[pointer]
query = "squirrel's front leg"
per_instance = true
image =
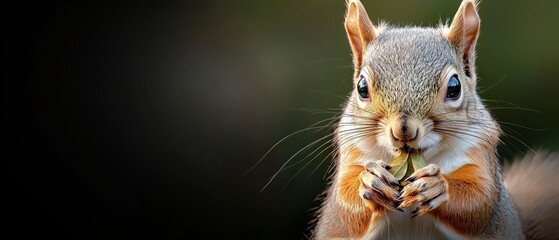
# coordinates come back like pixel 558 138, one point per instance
pixel 360 196
pixel 428 187
pixel 375 187
pixel 463 200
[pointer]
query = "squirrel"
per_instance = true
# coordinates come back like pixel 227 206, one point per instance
pixel 415 90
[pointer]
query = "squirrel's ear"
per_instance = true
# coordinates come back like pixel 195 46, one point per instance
pixel 464 31
pixel 360 30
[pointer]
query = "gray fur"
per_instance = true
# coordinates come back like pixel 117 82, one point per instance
pixel 417 57
pixel 533 185
pixel 505 214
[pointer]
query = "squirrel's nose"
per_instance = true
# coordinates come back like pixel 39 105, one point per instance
pixel 404 133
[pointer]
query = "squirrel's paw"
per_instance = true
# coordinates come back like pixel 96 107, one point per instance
pixel 375 187
pixel 428 187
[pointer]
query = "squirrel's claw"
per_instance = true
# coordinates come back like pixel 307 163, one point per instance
pixel 379 169
pixel 429 205
pixel 378 199
pixel 429 170
pixel 429 187
pixel 376 188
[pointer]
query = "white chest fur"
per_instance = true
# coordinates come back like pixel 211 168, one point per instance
pixel 400 225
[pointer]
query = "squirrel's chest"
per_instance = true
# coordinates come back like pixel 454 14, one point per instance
pixel 400 225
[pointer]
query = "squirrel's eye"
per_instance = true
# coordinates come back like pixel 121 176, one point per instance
pixel 362 88
pixel 453 88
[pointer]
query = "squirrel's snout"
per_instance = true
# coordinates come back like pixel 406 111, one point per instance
pixel 404 133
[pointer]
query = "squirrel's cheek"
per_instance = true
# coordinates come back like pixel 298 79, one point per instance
pixel 429 142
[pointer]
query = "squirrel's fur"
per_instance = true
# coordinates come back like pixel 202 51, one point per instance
pixel 402 101
pixel 533 185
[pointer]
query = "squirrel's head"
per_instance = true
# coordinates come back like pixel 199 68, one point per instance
pixel 417 85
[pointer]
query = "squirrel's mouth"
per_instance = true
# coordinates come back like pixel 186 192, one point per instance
pixel 408 149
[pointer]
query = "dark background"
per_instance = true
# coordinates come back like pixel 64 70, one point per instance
pixel 138 119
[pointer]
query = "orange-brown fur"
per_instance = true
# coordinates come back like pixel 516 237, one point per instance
pixel 354 211
pixel 471 202
pixel 353 216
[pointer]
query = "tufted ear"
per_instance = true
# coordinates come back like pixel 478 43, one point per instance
pixel 360 31
pixel 464 31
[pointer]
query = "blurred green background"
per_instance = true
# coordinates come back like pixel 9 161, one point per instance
pixel 140 118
